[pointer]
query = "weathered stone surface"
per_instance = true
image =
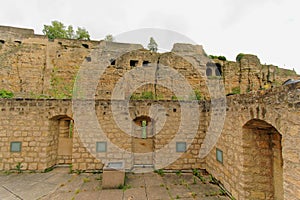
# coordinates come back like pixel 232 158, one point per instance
pixel 260 135
pixel 33 66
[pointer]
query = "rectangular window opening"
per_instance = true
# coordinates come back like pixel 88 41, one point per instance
pixel 146 63
pixel 133 63
pixel 219 155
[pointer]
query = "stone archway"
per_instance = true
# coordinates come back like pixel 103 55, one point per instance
pixel 262 162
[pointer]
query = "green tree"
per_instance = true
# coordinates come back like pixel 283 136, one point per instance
pixel 82 34
pixel 58 30
pixel 109 38
pixel 152 46
pixel 55 30
pixel 70 32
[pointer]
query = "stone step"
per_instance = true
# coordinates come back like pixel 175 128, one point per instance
pixel 141 168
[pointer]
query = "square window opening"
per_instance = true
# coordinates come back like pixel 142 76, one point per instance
pixel 101 146
pixel 15 146
pixel 180 146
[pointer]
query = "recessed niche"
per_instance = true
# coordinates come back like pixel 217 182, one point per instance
pixel 133 63
pixel 88 59
pixel 146 63
pixel 218 70
pixel 85 46
pixel 112 62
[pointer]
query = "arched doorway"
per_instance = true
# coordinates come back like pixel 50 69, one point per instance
pixel 63 130
pixel 142 141
pixel 218 70
pixel 262 174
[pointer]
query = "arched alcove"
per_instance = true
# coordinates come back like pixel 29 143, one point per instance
pixel 62 130
pixel 143 141
pixel 218 70
pixel 262 174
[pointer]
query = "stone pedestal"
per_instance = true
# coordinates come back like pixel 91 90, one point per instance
pixel 113 175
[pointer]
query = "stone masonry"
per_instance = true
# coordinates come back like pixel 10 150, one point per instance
pixel 255 156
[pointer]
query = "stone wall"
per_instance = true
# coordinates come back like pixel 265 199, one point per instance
pixel 252 166
pixel 39 124
pixel 7 33
pixel 259 139
pixel 35 67
pixel 248 74
pixel 28 121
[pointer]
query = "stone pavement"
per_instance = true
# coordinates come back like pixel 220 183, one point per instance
pixel 59 184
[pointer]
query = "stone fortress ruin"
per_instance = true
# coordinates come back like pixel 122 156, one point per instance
pixel 256 155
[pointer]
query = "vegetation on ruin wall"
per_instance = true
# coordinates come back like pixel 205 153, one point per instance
pixel 223 58
pixel 61 88
pixel 59 30
pixel 195 95
pixel 236 90
pixel 285 72
pixel 149 95
pixel 6 94
pixel 239 57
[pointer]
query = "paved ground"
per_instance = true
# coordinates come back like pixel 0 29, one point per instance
pixel 59 184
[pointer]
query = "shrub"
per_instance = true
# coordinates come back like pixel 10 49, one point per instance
pixel 239 57
pixel 159 172
pixel 213 57
pixel 222 58
pixel 218 57
pixel 196 95
pixel 147 95
pixel 144 95
pixel 19 167
pixel 6 94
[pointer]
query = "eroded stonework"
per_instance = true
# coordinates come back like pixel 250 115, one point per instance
pixel 255 157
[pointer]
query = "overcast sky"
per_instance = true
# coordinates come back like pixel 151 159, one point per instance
pixel 269 29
